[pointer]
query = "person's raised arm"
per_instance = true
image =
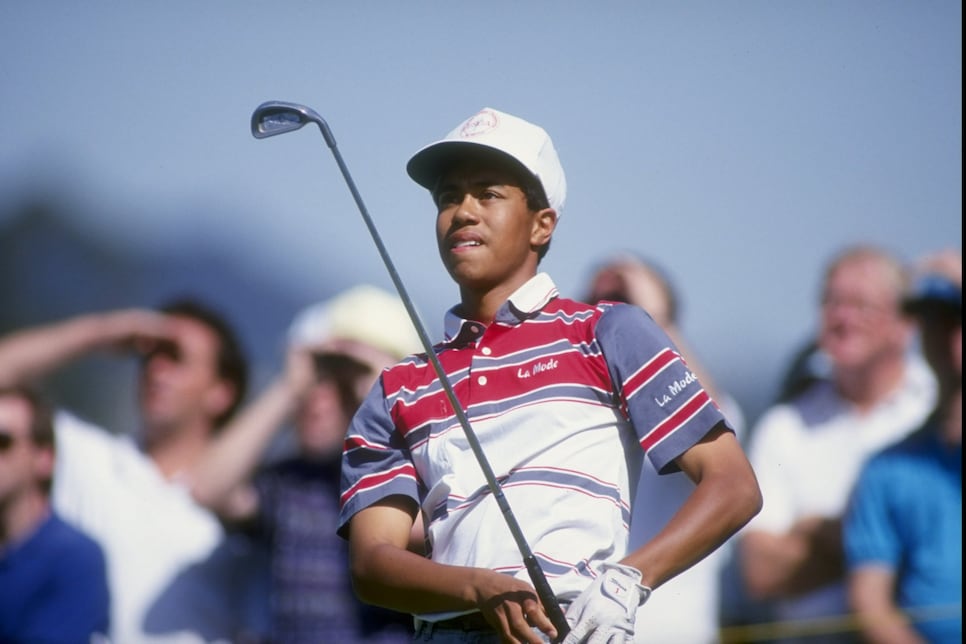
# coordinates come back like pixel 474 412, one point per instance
pixel 35 352
pixel 221 479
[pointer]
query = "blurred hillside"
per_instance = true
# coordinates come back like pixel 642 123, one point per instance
pixel 51 268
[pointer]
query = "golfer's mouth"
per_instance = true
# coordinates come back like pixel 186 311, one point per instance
pixel 464 242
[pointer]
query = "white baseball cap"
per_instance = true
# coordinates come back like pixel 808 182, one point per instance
pixel 361 317
pixel 527 144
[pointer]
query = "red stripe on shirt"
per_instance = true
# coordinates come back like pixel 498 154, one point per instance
pixel 676 420
pixel 648 371
pixel 377 479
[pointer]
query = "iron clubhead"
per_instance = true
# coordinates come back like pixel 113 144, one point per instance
pixel 279 117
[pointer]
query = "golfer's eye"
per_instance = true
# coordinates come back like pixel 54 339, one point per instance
pixel 446 198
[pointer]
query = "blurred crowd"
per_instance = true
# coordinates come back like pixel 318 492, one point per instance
pixel 214 519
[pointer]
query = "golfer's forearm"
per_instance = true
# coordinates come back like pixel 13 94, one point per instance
pixel 394 578
pixel 716 509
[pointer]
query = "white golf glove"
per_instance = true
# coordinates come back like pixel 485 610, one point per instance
pixel 604 613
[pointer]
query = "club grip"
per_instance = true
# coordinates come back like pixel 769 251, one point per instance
pixel 547 598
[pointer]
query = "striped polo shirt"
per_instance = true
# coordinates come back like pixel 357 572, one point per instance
pixel 565 399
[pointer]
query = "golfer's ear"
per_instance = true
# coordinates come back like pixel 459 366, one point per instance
pixel 544 223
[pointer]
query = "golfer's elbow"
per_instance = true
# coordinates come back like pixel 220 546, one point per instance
pixel 738 498
pixel 364 579
pixel 373 572
pixel 746 500
pixel 367 592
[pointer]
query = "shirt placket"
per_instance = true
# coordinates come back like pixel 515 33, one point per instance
pixel 476 382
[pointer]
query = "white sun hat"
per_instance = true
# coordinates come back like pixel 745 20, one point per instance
pixel 360 318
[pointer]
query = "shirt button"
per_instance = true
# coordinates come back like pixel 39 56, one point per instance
pixel 486 351
pixel 474 328
pixel 481 380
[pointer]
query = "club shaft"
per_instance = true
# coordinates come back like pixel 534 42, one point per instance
pixel 537 576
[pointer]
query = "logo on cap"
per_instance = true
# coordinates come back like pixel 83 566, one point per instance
pixel 482 123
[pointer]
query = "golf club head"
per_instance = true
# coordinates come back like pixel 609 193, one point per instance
pixel 278 117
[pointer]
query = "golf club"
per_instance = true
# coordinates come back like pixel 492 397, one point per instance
pixel 278 117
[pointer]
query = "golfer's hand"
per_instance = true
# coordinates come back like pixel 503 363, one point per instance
pixel 604 613
pixel 512 608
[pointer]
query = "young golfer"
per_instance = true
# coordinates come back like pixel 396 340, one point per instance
pixel 566 400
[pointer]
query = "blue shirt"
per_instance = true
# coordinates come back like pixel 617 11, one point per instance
pixel 906 514
pixel 53 587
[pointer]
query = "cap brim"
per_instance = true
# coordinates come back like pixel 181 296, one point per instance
pixel 429 164
pixel 934 293
pixel 363 353
pixel 926 305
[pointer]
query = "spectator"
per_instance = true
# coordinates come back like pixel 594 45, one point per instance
pixel 808 451
pixel 628 278
pixel 171 573
pixel 904 529
pixel 807 365
pixel 687 608
pixel 336 350
pixel 53 579
pixel 565 398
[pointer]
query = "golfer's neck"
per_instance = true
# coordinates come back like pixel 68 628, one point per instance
pixel 482 304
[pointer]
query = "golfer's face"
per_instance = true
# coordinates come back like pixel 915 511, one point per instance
pixel 484 229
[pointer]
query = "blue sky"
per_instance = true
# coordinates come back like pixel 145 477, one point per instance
pixel 740 144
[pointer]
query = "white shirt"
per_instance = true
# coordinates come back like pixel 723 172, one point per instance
pixel 807 455
pixel 169 567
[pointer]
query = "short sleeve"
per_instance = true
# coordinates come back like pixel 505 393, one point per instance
pixel 869 535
